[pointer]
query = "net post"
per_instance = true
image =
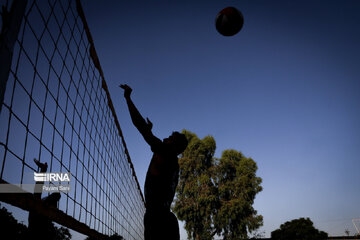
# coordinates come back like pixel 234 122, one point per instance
pixel 11 22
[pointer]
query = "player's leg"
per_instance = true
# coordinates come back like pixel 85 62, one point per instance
pixel 171 227
pixel 161 225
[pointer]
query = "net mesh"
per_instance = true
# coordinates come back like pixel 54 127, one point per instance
pixel 356 223
pixel 57 109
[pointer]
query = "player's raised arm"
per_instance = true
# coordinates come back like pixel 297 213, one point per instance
pixel 143 126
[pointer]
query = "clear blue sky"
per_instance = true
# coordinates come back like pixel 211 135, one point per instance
pixel 284 91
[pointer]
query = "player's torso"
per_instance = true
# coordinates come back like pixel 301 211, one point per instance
pixel 161 180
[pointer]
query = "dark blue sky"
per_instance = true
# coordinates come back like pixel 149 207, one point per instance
pixel 284 91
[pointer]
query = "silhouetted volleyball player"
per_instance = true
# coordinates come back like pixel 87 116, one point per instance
pixel 39 185
pixel 161 178
pixel 41 227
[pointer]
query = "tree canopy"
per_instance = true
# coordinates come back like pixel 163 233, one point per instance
pixel 12 229
pixel 298 229
pixel 215 196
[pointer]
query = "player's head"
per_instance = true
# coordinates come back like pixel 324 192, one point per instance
pixel 52 199
pixel 178 142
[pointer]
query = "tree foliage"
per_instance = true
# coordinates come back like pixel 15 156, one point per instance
pixel 237 186
pixel 298 229
pixel 196 200
pixel 215 196
pixel 12 229
pixel 61 233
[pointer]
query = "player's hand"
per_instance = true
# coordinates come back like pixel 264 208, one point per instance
pixel 127 90
pixel 149 123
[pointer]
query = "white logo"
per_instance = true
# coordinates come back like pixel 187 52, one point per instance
pixel 52 177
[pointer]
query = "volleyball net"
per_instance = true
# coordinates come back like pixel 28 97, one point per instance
pixel 56 108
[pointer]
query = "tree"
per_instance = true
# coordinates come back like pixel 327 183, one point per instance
pixel 215 196
pixel 237 185
pixel 61 233
pixel 257 234
pixel 11 229
pixel 298 229
pixel 197 200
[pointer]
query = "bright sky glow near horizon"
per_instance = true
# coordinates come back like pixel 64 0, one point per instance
pixel 284 91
